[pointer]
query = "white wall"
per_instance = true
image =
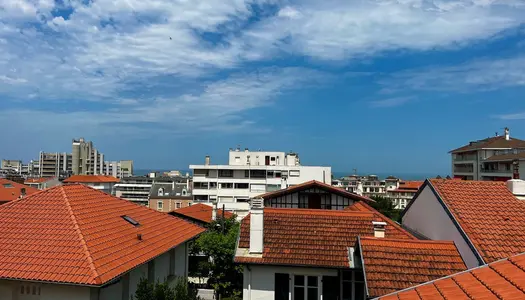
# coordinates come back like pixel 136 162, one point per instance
pixel 134 277
pixel 11 290
pixel 259 283
pixel 426 216
pixel 181 261
pixel 111 292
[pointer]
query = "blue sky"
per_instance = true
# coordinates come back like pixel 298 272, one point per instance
pixel 385 86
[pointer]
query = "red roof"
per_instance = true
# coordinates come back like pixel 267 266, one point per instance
pixel 391 265
pixel 491 216
pixel 314 184
pixel 91 178
pixel 310 237
pixel 498 142
pixel 38 180
pixel 76 234
pixel 504 279
pixel 408 187
pixel 201 212
pixel 10 190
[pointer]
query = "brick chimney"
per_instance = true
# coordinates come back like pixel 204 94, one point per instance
pixel 257 226
pixel 517 187
pixel 379 229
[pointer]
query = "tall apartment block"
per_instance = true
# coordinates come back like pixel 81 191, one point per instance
pixel 497 158
pixel 55 164
pixel 86 159
pixel 249 174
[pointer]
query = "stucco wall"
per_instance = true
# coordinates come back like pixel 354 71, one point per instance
pixel 181 261
pixel 428 217
pixel 112 292
pixel 259 283
pixel 11 290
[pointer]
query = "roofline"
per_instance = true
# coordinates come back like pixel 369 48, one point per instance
pixel 451 216
pixel 189 218
pixel 363 265
pixel 448 276
pixel 408 241
pixel 390 221
pixel 289 265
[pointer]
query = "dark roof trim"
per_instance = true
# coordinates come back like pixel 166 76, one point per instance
pixel 359 247
pixel 450 215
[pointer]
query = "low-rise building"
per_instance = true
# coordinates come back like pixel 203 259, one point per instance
pixel 168 196
pixel 42 183
pixel 10 191
pixel 369 186
pixel 135 189
pixel 102 183
pixel 74 242
pixel 119 169
pixel 484 218
pixel 248 174
pixel 291 253
pixel 201 213
pixel 404 193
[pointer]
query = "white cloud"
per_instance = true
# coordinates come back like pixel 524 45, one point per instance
pixel 391 102
pixel 514 116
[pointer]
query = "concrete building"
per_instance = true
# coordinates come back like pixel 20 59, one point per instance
pixel 368 186
pixel 119 169
pixel 13 165
pixel 485 219
pixel 42 183
pixel 86 159
pixel 248 174
pixel 110 245
pixel 55 164
pixel 102 183
pixel 135 189
pixel 403 194
pixel 495 159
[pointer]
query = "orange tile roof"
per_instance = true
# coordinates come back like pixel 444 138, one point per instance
pixel 498 142
pixel 311 237
pixel 314 184
pixel 491 216
pixel 391 265
pixel 38 180
pixel 10 190
pixel 200 212
pixel 76 234
pixel 91 178
pixel 504 279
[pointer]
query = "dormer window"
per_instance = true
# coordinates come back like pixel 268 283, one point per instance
pixel 160 192
pixel 184 193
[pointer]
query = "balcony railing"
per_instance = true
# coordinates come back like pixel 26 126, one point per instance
pixel 464 158
pixel 495 171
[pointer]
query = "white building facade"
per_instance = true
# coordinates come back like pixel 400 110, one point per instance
pixel 249 174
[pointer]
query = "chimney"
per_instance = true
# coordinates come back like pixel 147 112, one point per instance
pixel 507 133
pixel 517 187
pixel 379 229
pixel 214 211
pixel 22 192
pixel 207 160
pixel 284 184
pixel 257 226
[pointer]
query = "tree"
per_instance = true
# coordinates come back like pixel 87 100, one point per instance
pixel 218 243
pixel 162 291
pixel 386 207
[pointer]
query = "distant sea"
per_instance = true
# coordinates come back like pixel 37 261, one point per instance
pixel 336 174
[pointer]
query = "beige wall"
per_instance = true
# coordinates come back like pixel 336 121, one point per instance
pixel 168 204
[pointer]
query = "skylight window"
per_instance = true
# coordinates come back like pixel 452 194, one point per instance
pixel 130 220
pixel 7 185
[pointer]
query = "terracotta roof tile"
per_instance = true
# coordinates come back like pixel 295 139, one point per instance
pixel 312 184
pixel 504 279
pixel 498 142
pixel 91 178
pixel 199 211
pixel 10 190
pixel 38 180
pixel 391 265
pixel 489 213
pixel 311 237
pixel 75 234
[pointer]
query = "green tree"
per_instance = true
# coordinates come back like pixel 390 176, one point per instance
pixel 162 291
pixel 386 207
pixel 218 243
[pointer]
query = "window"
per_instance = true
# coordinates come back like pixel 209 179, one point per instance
pixel 241 185
pixel 237 160
pixel 7 185
pixel 305 288
pixel 247 173
pixel 226 185
pixel 184 192
pixel 213 185
pixel 130 220
pixel 272 158
pixel 160 192
pixel 282 286
pixel 353 285
pixel 201 185
pixel 258 188
pixel 226 173
pixel 258 174
pixel 160 204
pixel 177 205
pixel 295 173
pixel 201 172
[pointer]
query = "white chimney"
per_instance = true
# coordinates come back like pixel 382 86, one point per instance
pixel 257 226
pixel 507 133
pixel 214 211
pixel 207 160
pixel 379 229
pixel 359 190
pixel 517 187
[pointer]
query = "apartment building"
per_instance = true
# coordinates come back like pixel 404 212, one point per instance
pixel 55 164
pixel 14 165
pixel 251 173
pixel 86 159
pixel 403 194
pixel 118 169
pixel 494 159
pixel 368 186
pixel 135 189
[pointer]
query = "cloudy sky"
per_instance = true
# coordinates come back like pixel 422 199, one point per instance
pixel 378 85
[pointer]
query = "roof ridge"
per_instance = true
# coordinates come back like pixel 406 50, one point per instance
pixel 82 241
pixel 408 241
pixel 387 219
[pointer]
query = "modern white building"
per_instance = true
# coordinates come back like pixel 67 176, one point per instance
pixel 251 173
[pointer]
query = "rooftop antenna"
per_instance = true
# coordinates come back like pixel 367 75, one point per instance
pixel 355 171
